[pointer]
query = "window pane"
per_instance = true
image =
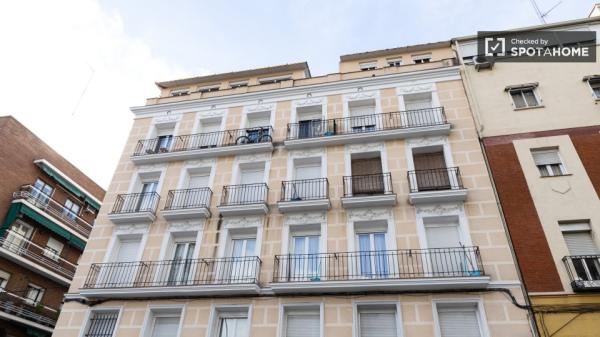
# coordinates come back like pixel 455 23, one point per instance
pixel 530 98
pixel 543 170
pixel 518 99
pixel 556 170
pixel 377 324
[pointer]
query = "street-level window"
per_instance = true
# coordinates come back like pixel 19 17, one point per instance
pixel 548 162
pixel 524 98
pixel 102 323
pixel 302 322
pixel 377 321
pixel 459 320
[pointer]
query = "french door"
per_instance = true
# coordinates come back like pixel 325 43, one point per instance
pixel 241 267
pixel 181 271
pixel 146 198
pixel 305 263
pixel 373 260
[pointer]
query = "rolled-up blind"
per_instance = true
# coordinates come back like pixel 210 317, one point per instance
pixel 459 322
pixel 373 324
pixel 580 243
pixel 303 325
pixel 546 157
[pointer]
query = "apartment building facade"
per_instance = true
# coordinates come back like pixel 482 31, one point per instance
pixel 539 124
pixel 48 208
pixel 269 202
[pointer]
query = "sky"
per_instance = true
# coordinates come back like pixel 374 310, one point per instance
pixel 71 69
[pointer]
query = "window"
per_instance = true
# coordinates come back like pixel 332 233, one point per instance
pixel 102 323
pixel 595 85
pixel 71 209
pixel 364 66
pixel 372 257
pixel 164 322
pixel 363 117
pixel 238 84
pixel 53 249
pixel 424 58
pixel 180 92
pixel 231 323
pixel 302 322
pixel 524 97
pixel 41 191
pixel 377 321
pixel 582 248
pixel 34 294
pixel 209 88
pixel 459 320
pixel 548 162
pixel 4 276
pixel 394 62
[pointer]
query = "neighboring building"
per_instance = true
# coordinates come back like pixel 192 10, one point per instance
pixel 271 203
pixel 48 208
pixel 540 126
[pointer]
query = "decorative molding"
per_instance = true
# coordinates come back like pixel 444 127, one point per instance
pixel 309 152
pixel 561 187
pixel 426 141
pixel 366 147
pixel 426 87
pixel 367 214
pixel 152 167
pixel 361 95
pixel 166 119
pixel 185 226
pixel 440 209
pixel 211 113
pixel 260 107
pixel 243 222
pixel 310 101
pixel 200 162
pixel 306 218
pixel 245 158
pixel 139 228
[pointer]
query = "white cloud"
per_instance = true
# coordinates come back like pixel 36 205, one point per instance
pixel 50 51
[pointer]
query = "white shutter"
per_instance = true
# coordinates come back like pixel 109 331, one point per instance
pixel 208 127
pixel 128 250
pixel 459 322
pixel 580 243
pixel 252 176
pixel 257 121
pixel 362 108
pixel 303 325
pixel 308 172
pixel 374 324
pixel 198 181
pixel 165 326
pixel 442 235
pixel 546 157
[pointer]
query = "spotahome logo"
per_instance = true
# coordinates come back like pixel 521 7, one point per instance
pixel 538 46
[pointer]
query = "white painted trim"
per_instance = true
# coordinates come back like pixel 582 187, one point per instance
pixel 168 239
pixel 363 215
pixel 361 95
pixel 136 180
pixel 89 312
pixel 281 326
pixel 207 291
pixel 417 89
pixel 443 210
pixel 483 325
pixel 209 113
pixel 256 222
pixel 215 311
pixel 151 311
pixel 320 153
pixel 356 320
pixel 256 108
pixel 311 218
pixel 157 121
pixel 300 92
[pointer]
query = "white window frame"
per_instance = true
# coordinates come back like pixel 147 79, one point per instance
pixel 309 102
pixel 357 217
pixel 298 223
pixel 208 88
pixel 420 58
pixel 219 311
pixel 367 65
pixel 179 92
pixel 209 113
pixel 238 84
pixel 41 292
pixel 274 79
pixel 483 325
pixel 286 307
pixel 51 252
pixel 596 81
pixel 373 306
pixel 394 62
pixel 6 276
pixel 155 311
pixel 535 92
pixel 89 314
pixel 561 164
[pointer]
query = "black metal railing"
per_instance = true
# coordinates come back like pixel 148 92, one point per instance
pixel 305 189
pixel 437 179
pixel 368 184
pixel 584 271
pixel 102 323
pixel 136 202
pixel 263 134
pixel 188 198
pixel 246 194
pixel 18 305
pixel 172 273
pixel 367 123
pixel 388 264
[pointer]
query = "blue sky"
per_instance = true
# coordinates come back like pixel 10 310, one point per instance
pixel 72 68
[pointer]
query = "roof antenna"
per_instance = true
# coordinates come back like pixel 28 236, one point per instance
pixel 538 12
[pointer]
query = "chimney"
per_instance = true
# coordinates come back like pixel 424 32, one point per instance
pixel 595 11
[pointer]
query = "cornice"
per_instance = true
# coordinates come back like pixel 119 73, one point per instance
pixel 373 83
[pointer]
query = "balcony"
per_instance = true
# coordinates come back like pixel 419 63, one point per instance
pixel 584 272
pixel 202 145
pixel 247 199
pixel 436 185
pixel 188 204
pixel 370 190
pixel 392 270
pixel 368 128
pixel 171 278
pixel 53 210
pixel 43 261
pixel 23 311
pixel 134 208
pixel 304 195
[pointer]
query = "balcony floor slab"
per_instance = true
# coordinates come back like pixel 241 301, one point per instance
pixel 303 205
pixel 202 153
pixel 127 218
pixel 428 197
pixel 186 213
pixel 206 290
pixel 252 209
pixel 369 201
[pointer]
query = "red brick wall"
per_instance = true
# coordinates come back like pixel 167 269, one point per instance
pixel 587 146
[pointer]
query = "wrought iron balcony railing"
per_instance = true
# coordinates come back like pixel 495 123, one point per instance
pixel 50 206
pixel 368 184
pixel 388 264
pixel 13 304
pixel 166 144
pixel 189 198
pixel 368 123
pixel 173 273
pixel 305 189
pixel 584 271
pixel 136 203
pixel 247 194
pixel 438 179
pixel 45 257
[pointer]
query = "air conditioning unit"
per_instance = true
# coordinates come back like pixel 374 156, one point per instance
pixel 483 62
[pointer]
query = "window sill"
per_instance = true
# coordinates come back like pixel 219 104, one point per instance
pixel 529 107
pixel 562 175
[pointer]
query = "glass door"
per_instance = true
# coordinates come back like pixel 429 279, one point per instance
pixel 41 192
pixel 304 260
pixel 122 270
pixel 372 255
pixel 18 236
pixel 445 257
pixel 305 188
pixel 181 264
pixel 146 197
pixel 241 267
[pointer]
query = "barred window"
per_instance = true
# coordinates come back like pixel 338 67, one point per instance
pixel 102 324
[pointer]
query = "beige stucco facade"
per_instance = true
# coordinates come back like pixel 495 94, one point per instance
pixel 478 216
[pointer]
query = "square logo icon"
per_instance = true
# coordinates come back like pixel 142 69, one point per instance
pixel 495 46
